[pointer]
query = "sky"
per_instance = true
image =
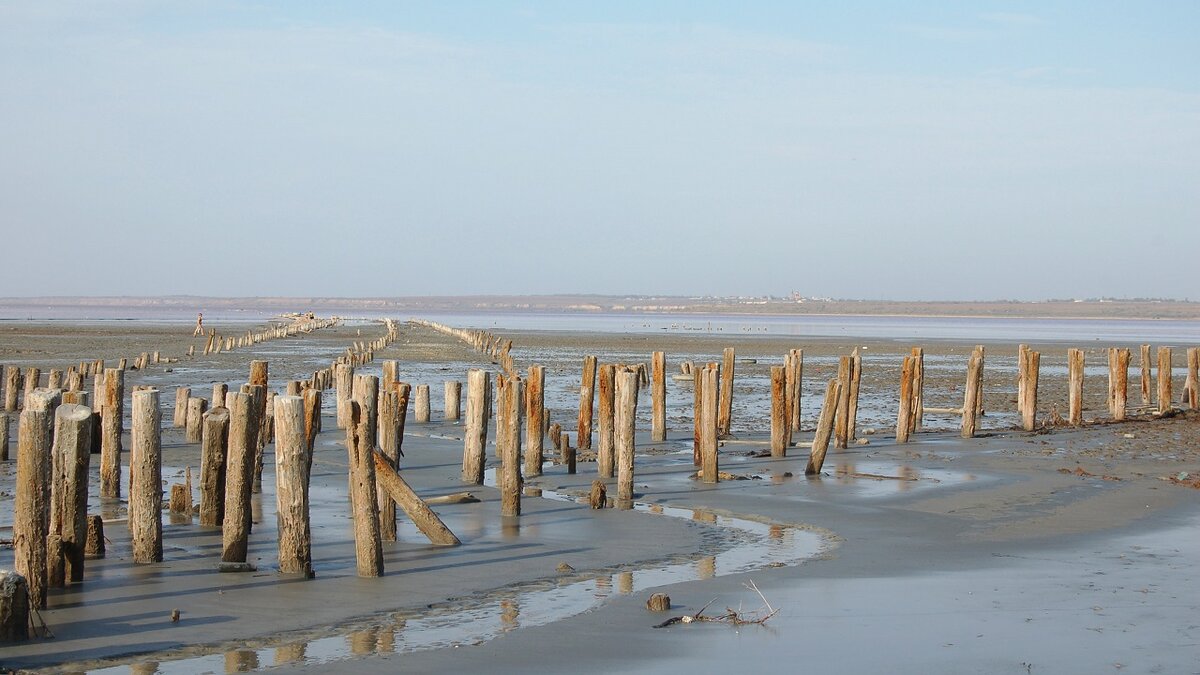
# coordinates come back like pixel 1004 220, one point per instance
pixel 867 150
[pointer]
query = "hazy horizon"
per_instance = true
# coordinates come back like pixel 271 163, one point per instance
pixel 1024 151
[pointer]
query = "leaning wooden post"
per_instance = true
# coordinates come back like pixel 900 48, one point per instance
pixel 214 443
pixel 239 477
pixel 606 401
pixel 508 442
pixel 1075 386
pixel 825 424
pixel 1193 368
pixel 626 426
pixel 710 391
pixel 389 429
pixel 1121 387
pixel 841 430
pixel 452 409
pixel 196 408
pixel 31 503
pixel 1144 352
pixel 972 392
pixel 72 459
pixel 475 439
pixel 1028 367
pixel 291 486
pixel 398 491
pixel 360 446
pixel 725 413
pixel 852 400
pixel 779 412
pixel 421 402
pixel 658 397
pixel 586 394
pixel 312 421
pixel 344 384
pixel 904 417
pixel 1164 379
pixel 145 478
pixel 535 420
pixel 182 394
pixel 112 409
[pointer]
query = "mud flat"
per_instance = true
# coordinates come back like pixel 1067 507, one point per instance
pixel 1064 551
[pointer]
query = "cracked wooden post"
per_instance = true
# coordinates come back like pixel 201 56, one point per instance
pixel 1121 387
pixel 421 402
pixel 918 402
pixel 69 494
pixel 32 376
pixel 343 380
pixel 389 429
pixel 852 400
pixel 475 439
pixel 658 397
pixel 219 391
pixel 291 487
pixel 452 409
pixel 1144 352
pixel 583 437
pixel 606 400
pixel 779 412
pixel 508 445
pixel 1075 387
pixel 12 389
pixel 214 444
pixel 904 416
pixel 312 421
pixel 841 431
pixel 258 398
pixel 14 607
pixel 535 420
pixel 112 408
pixel 239 476
pixel 1112 378
pixel 4 425
pixel 1028 371
pixel 31 503
pixel 145 478
pixel 1193 366
pixel 725 402
pixel 360 445
pixel 825 424
pixel 196 407
pixel 182 394
pixel 1164 379
pixel 972 393
pixel 710 391
pixel 626 427
pixel 391 375
pixel 794 380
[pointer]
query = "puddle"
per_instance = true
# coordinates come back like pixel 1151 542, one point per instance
pixel 478 619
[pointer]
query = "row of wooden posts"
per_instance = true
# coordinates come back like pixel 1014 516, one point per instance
pixel 216 343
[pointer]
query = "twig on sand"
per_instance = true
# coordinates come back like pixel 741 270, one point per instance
pixel 731 616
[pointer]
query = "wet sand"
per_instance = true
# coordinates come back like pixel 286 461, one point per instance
pixel 990 554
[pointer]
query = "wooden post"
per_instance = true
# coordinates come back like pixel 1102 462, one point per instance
pixel 258 402
pixel 697 415
pixel 725 413
pixel 196 407
pixel 33 376
pixel 360 442
pixel 31 503
pixel 145 478
pixel 568 453
pixel 69 494
pixel 389 430
pixel 795 389
pixel 508 445
pixel 1145 354
pixel 1164 379
pixel 972 392
pixel 825 425
pixel 14 607
pixel 4 436
pixel 904 417
pixel 182 394
pixel 421 402
pixel 605 420
pixel 658 397
pixel 214 444
pixel 710 391
pixel 112 409
pixel 54 379
pixel 343 381
pixel 779 412
pixel 312 421
pixel 1028 370
pixel 399 492
pixel 452 410
pixel 219 391
pixel 586 393
pixel 852 400
pixel 239 476
pixel 391 375
pixel 535 420
pixel 12 388
pixel 291 486
pixel 94 548
pixel 1121 387
pixel 626 426
pixel 1075 386
pixel 841 431
pixel 918 387
pixel 1112 378
pixel 475 439
pixel 1193 366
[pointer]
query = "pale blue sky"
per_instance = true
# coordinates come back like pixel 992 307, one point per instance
pixel 859 150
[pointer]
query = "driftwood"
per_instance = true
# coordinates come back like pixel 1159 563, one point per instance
pixel 731 616
pixel 456 498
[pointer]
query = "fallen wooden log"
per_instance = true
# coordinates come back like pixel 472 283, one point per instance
pixel 422 516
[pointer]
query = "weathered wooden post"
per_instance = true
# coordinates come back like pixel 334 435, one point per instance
pixel 1144 352
pixel 1028 371
pixel 779 412
pixel 389 430
pixel 626 426
pixel 31 503
pixel 145 478
pixel 697 415
pixel 194 419
pixel 972 393
pixel 12 388
pixel 312 421
pixel 535 420
pixel 69 494
pixel 1121 386
pixel 54 379
pixel 239 476
pixel 219 391
pixel 182 394
pixel 291 486
pixel 1164 379
pixel 360 442
pixel 1075 386
pixel 14 607
pixel 4 436
pixel 658 397
pixel 606 400
pixel 904 417
pixel 852 400
pixel 343 380
pixel 421 402
pixel 825 424
pixel 586 394
pixel 475 439
pixel 508 444
pixel 725 413
pixel 1193 366
pixel 841 429
pixel 794 382
pixel 1112 378
pixel 112 409
pixel 391 375
pixel 214 444
pixel 33 376
pixel 710 391
pixel 452 410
